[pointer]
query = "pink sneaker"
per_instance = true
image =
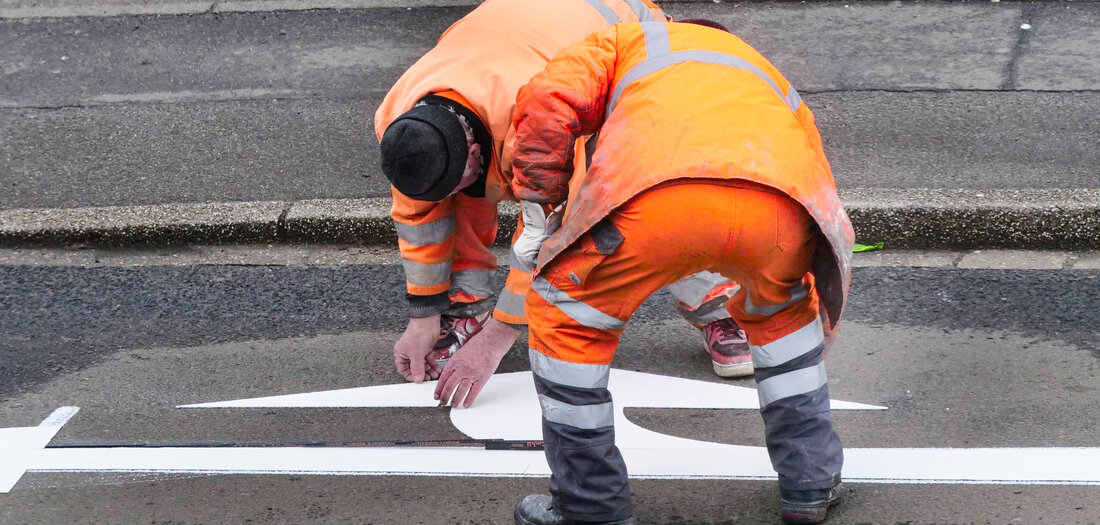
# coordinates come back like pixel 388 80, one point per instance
pixel 728 347
pixel 454 332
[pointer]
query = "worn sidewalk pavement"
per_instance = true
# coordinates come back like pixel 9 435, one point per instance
pixel 949 124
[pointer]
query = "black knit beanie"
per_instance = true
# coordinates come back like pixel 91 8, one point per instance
pixel 424 152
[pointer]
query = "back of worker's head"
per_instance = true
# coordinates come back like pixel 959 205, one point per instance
pixel 704 22
pixel 424 152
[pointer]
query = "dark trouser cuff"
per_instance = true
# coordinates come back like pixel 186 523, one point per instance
pixel 589 481
pixel 428 305
pixel 469 309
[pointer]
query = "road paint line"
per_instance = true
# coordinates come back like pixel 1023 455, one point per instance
pixel 59 417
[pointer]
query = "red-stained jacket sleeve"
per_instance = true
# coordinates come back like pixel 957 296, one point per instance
pixel 564 101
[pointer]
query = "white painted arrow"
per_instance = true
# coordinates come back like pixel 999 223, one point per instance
pixel 22 447
pixel 507 409
pixel 508 406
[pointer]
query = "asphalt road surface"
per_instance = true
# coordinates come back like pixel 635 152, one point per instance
pixel 962 358
pixel 280 106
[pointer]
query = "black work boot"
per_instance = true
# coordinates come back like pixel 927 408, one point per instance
pixel 808 506
pixel 538 509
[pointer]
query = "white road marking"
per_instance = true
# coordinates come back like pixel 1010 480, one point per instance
pixel 508 409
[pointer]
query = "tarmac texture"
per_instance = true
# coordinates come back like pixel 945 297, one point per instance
pixel 961 358
pixel 275 104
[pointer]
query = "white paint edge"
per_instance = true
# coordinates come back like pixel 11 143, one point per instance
pixel 59 417
pixel 22 447
pixel 1007 466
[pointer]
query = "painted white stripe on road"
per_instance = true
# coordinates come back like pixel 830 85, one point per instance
pixel 1024 466
pixel 648 454
pixel 59 417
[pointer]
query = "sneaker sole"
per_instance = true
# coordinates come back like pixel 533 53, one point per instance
pixel 734 370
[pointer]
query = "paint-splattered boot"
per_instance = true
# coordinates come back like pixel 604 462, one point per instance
pixel 808 506
pixel 454 331
pixel 728 348
pixel 538 509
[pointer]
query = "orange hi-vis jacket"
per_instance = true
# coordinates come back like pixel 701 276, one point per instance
pixel 480 62
pixel 674 101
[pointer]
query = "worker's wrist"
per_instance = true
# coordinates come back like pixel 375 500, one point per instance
pixel 503 329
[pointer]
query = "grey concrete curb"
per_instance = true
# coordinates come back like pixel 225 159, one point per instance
pixel 1013 219
pixel 164 224
pixel 958 218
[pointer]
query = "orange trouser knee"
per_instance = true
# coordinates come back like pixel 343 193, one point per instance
pixel 581 300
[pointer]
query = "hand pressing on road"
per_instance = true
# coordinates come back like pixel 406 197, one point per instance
pixel 412 348
pixel 469 369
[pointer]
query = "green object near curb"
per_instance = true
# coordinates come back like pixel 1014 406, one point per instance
pixel 858 248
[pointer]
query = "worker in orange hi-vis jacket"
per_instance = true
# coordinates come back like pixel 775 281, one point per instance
pixel 685 113
pixel 446 141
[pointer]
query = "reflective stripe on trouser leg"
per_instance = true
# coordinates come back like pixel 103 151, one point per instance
pixel 701 298
pixel 693 290
pixel 708 312
pixel 578 428
pixel 475 282
pixel 794 401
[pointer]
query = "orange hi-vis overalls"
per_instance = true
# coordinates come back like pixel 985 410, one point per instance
pixel 480 62
pixel 707 159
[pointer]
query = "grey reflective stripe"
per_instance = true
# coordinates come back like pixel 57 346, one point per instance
pixel 474 282
pixel 792 99
pixel 578 311
pixel 426 274
pixel 514 262
pixel 580 416
pixel 641 10
pixel 578 375
pixel 798 293
pixel 605 11
pixel 707 313
pixel 800 381
pixel 656 39
pixel 510 303
pixel 691 290
pixel 789 346
pixel 423 234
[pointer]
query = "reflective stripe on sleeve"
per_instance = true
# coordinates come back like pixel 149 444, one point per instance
pixel 793 383
pixel 640 10
pixel 656 35
pixel 511 304
pixel 426 274
pixel 605 11
pixel 798 293
pixel 790 346
pixel 578 375
pixel 578 311
pixel 514 262
pixel 478 283
pixel 423 234
pixel 588 417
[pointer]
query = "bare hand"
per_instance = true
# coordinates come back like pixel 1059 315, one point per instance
pixel 411 349
pixel 469 369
